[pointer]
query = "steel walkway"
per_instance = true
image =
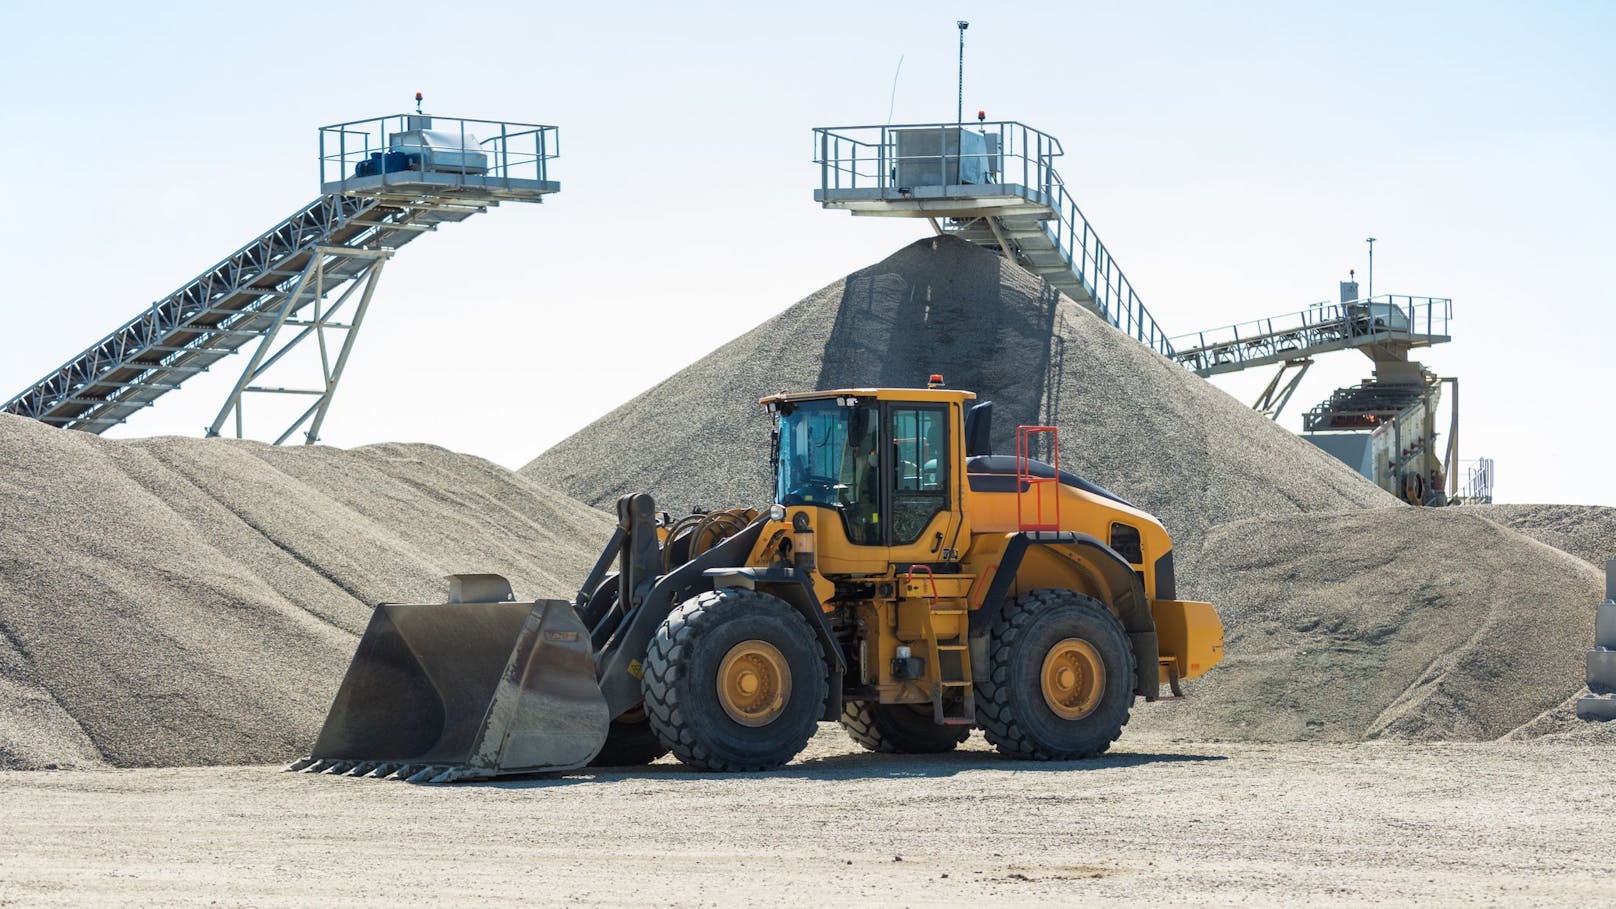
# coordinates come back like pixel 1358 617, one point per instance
pixel 272 290
pixel 994 185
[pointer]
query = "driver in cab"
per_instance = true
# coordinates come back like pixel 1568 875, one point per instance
pixel 862 482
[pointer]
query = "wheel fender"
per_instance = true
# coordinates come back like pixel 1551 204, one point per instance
pixel 795 587
pixel 1127 594
pixel 619 659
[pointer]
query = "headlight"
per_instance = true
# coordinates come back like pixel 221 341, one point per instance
pixel 777 512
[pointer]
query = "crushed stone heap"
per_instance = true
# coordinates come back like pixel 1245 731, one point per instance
pixel 179 601
pixel 173 601
pixel 1410 623
pixel 1129 419
pixel 1349 614
pixel 1586 531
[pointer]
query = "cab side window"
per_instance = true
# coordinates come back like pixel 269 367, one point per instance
pixel 860 485
pixel 919 469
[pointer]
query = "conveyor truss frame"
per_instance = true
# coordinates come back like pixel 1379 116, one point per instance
pixel 336 244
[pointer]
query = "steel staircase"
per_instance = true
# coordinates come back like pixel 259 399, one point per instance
pixel 994 185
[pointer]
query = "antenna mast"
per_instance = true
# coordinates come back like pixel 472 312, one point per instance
pixel 1371 242
pixel 959 113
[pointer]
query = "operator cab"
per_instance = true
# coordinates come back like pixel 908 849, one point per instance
pixel 881 460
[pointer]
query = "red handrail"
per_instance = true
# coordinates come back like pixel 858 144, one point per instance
pixel 1027 483
pixel 910 579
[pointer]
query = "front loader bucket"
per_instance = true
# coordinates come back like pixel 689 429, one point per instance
pixel 475 688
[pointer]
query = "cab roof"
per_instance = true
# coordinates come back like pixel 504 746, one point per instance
pixel 921 395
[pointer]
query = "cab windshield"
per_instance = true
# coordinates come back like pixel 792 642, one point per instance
pixel 828 455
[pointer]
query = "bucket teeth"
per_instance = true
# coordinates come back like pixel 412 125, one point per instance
pixel 387 770
pixel 425 775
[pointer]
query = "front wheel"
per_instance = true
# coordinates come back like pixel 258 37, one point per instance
pixel 735 680
pixel 1060 681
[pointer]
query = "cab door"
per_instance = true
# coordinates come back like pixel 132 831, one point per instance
pixel 920 486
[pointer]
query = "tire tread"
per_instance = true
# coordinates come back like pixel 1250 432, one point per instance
pixel 995 713
pixel 665 666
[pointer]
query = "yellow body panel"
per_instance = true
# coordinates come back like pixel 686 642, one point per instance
pixel 912 619
pixel 1080 511
pixel 904 623
pixel 907 607
pixel 1190 633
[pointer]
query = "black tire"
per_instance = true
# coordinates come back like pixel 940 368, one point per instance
pixel 899 728
pixel 681 681
pixel 1010 705
pixel 630 742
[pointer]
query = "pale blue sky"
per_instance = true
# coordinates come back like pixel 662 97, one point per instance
pixel 1232 156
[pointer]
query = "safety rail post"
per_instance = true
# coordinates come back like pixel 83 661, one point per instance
pixel 1027 483
pixel 881 164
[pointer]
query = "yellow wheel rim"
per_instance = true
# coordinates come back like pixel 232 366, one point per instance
pixel 754 683
pixel 1073 678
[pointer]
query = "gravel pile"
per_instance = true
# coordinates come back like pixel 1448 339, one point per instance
pixel 1130 420
pixel 1560 724
pixel 1407 623
pixel 1349 615
pixel 176 601
pixel 1586 531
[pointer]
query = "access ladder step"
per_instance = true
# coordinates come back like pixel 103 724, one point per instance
pixel 967 714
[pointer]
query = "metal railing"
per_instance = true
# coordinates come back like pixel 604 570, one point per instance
pixel 1014 156
pixel 1322 326
pixel 1477 488
pixel 481 153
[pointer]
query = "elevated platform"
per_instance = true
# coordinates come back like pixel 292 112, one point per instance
pixel 1007 200
pixel 1386 326
pixel 469 187
pixel 272 291
pixel 407 156
pixel 994 185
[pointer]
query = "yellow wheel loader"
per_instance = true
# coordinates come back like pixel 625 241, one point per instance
pixel 905 581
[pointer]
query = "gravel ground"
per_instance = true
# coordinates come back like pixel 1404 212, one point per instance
pixel 1367 824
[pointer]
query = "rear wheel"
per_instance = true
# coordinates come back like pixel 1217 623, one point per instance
pixel 899 728
pixel 734 680
pixel 1060 681
pixel 630 742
